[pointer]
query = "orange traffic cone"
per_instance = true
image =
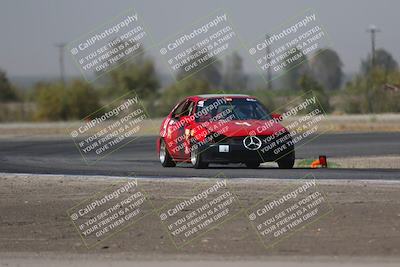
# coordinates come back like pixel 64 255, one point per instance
pixel 315 164
pixel 320 162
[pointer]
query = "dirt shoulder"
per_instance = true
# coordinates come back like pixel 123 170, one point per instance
pixel 364 222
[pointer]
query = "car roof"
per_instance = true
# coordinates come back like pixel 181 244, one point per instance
pixel 222 95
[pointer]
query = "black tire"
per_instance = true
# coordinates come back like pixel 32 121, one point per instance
pixel 252 165
pixel 164 156
pixel 287 161
pixel 196 159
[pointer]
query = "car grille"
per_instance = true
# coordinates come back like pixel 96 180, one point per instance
pixel 265 140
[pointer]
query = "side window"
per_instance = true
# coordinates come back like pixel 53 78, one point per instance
pixel 184 109
pixel 179 110
pixel 188 110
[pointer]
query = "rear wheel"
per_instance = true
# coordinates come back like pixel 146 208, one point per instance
pixel 252 165
pixel 165 158
pixel 287 161
pixel 195 158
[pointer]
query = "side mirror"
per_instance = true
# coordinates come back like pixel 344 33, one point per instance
pixel 276 116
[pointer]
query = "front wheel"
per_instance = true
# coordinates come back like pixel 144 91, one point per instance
pixel 196 159
pixel 165 158
pixel 287 161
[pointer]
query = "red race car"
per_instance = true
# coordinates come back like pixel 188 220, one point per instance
pixel 224 129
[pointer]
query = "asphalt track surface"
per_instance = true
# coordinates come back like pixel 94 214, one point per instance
pixel 139 157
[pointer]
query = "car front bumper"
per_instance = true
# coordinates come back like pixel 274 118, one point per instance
pixel 237 153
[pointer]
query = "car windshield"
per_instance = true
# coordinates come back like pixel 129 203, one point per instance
pixel 232 108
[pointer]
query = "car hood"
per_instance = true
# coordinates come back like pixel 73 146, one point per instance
pixel 245 127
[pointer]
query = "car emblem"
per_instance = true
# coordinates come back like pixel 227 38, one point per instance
pixel 252 142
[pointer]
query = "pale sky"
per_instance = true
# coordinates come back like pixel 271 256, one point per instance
pixel 30 28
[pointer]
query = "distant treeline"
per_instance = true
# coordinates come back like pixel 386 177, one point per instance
pixel 375 89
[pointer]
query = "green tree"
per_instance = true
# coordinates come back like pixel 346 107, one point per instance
pixel 208 69
pixel 383 60
pixel 180 90
pixel 130 76
pixel 7 91
pixel 234 77
pixel 313 88
pixel 51 104
pixel 81 100
pixel 136 73
pixel 326 69
pixel 57 102
pixel 136 56
pixel 296 67
pixel 368 94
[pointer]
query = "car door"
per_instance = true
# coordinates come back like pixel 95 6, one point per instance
pixel 178 127
pixel 176 131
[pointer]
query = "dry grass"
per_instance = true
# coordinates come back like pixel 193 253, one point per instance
pixel 333 123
